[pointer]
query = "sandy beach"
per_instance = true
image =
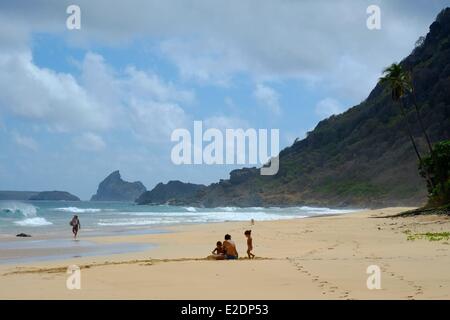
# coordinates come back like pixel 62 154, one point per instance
pixel 313 258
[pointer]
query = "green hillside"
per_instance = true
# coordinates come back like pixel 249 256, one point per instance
pixel 362 157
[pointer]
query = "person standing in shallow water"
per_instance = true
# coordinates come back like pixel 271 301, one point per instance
pixel 76 225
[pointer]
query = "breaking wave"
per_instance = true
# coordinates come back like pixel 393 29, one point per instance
pixel 18 209
pixel 79 210
pixel 23 210
pixel 158 218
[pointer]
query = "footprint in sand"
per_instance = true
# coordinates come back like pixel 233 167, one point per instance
pixel 417 288
pixel 324 285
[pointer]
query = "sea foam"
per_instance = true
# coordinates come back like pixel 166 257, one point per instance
pixel 18 208
pixel 79 210
pixel 33 222
pixel 23 210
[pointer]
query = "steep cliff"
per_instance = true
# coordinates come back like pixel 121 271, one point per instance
pixel 113 188
pixel 362 157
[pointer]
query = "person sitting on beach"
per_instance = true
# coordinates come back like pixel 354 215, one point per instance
pixel 76 225
pixel 230 248
pixel 218 249
pixel 248 234
pixel 218 253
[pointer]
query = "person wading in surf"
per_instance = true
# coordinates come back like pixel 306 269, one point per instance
pixel 76 225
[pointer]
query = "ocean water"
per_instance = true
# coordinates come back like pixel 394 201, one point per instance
pixel 53 217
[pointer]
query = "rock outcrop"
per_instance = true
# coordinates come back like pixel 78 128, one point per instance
pixel 171 193
pixel 113 188
pixel 23 235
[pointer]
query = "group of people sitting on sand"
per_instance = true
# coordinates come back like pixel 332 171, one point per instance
pixel 227 250
pixel 223 251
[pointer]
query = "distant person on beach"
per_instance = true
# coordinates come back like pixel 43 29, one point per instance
pixel 248 234
pixel 230 248
pixel 76 225
pixel 218 252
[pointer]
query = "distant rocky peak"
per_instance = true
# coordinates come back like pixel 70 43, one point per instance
pixel 114 188
pixel 114 176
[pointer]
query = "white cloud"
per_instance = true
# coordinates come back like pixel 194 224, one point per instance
pixel 102 99
pixel 149 85
pixel 101 81
pixel 222 123
pixel 154 121
pixel 327 107
pixel 268 97
pixel 25 141
pixel 42 94
pixel 90 141
pixel 212 42
pixel 204 60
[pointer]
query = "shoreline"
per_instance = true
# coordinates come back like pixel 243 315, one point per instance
pixel 106 218
pixel 95 237
pixel 95 242
pixel 322 258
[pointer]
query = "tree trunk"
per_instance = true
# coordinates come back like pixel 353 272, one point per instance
pixel 402 108
pixel 430 148
pixel 408 128
pixel 413 91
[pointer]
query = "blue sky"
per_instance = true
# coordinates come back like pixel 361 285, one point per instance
pixel 77 104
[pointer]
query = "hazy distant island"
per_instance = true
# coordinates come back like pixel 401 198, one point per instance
pixel 114 188
pixel 54 196
pixel 17 195
pixel 38 196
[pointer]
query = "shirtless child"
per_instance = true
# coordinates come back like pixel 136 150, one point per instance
pixel 218 253
pixel 218 249
pixel 248 234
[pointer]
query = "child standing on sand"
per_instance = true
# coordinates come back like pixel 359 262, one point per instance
pixel 248 234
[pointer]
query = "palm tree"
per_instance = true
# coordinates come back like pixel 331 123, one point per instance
pixel 399 83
